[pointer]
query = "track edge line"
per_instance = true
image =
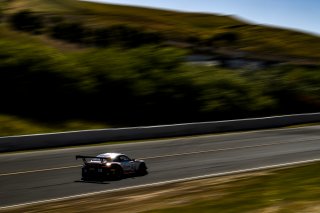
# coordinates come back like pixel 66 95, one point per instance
pixel 274 166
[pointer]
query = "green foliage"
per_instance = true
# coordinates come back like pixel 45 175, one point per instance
pixel 75 32
pixel 125 82
pixel 27 21
pixel 124 36
pixel 145 85
pixel 296 89
pixel 72 32
pixel 109 84
pixel 36 80
pixel 141 83
pixel 228 93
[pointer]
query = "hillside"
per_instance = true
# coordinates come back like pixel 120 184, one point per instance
pixel 67 64
pixel 195 28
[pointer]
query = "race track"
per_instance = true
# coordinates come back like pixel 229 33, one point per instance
pixel 41 175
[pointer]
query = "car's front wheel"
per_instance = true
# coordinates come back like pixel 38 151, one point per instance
pixel 142 170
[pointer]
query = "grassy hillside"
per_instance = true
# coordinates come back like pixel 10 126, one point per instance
pixel 95 13
pixel 66 60
pixel 253 39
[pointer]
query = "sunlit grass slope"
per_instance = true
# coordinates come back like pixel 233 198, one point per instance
pixel 261 40
pixel 107 14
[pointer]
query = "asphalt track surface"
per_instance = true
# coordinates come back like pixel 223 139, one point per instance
pixel 41 175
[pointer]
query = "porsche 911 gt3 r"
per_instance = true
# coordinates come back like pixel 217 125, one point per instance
pixel 111 165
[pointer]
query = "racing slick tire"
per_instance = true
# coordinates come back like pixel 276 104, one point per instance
pixel 142 170
pixel 116 172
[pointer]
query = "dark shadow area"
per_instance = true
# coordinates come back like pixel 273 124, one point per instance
pixel 92 181
pixel 109 180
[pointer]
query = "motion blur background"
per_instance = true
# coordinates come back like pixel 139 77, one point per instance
pixel 294 14
pixel 68 64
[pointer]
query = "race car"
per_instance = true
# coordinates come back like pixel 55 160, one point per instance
pixel 111 166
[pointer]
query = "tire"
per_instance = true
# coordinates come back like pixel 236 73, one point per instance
pixel 116 173
pixel 83 175
pixel 142 170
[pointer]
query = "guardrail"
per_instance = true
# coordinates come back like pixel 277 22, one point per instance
pixel 74 138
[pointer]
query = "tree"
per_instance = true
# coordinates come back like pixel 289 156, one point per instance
pixel 124 36
pixel 72 32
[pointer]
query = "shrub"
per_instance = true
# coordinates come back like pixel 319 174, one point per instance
pixel 27 21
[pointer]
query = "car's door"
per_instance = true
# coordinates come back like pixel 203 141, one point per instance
pixel 126 163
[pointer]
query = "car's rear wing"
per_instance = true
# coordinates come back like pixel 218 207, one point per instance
pixel 84 158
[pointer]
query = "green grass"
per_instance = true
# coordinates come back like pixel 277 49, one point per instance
pixel 13 125
pixel 288 190
pixel 255 39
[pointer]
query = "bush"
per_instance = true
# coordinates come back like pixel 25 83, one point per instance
pixel 136 85
pixel 71 32
pixel 145 85
pixel 296 89
pixel 227 94
pixel 124 36
pixel 27 21
pixel 38 81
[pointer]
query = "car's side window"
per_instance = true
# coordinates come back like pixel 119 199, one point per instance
pixel 123 158
pixel 117 159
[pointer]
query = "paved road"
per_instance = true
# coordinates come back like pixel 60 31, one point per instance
pixel 33 176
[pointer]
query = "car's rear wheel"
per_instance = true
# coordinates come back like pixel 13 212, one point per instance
pixel 84 174
pixel 116 172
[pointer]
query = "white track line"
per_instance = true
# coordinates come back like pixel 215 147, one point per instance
pixel 162 183
pixel 166 156
pixel 232 148
pixel 39 170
